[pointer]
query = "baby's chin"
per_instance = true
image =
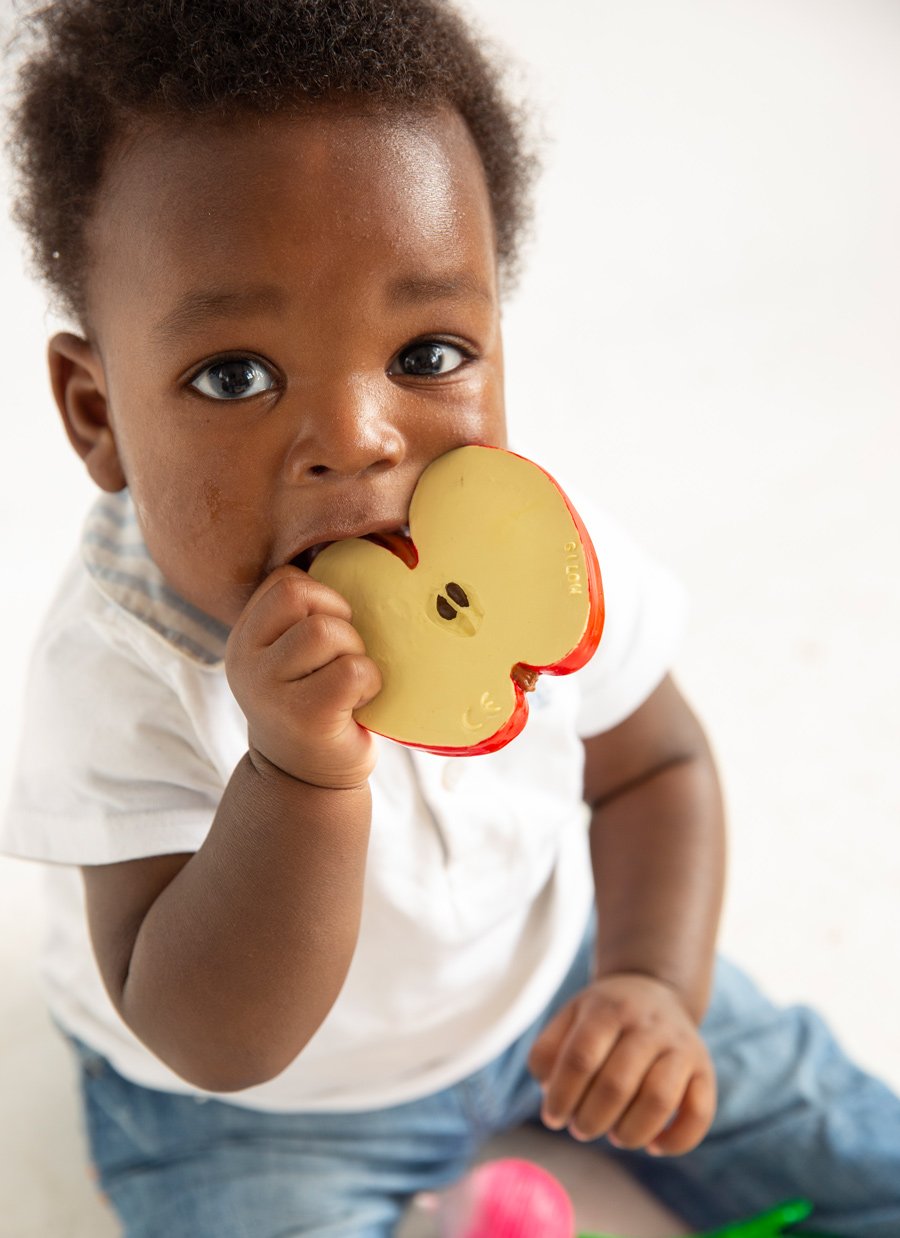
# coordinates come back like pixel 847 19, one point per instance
pixel 227 606
pixel 222 599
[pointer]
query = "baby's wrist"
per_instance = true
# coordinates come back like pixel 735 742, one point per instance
pixel 647 975
pixel 270 771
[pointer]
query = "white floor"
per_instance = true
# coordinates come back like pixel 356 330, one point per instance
pixel 708 339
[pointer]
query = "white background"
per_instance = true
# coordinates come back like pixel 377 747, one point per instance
pixel 707 337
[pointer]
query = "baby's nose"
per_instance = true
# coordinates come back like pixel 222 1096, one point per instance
pixel 345 430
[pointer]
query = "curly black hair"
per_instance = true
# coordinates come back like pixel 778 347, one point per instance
pixel 95 65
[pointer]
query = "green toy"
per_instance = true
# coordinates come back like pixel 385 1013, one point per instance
pixel 765 1225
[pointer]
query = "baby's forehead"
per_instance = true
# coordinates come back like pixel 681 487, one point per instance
pixel 218 169
pixel 240 197
pixel 240 155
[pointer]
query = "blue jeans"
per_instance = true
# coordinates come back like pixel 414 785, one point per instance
pixel 795 1119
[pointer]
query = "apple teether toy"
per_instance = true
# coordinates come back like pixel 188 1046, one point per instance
pixel 498 583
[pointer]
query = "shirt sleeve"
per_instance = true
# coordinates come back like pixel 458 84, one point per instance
pixel 109 765
pixel 646 613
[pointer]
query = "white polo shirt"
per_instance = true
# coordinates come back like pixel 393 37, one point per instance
pixel 478 881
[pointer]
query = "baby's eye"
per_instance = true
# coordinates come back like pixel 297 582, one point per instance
pixel 431 357
pixel 234 379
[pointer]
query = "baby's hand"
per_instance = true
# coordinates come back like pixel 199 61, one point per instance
pixel 298 669
pixel 624 1059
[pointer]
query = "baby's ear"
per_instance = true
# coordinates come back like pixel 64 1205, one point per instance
pixel 79 386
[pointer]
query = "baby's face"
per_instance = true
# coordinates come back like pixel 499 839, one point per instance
pixel 293 317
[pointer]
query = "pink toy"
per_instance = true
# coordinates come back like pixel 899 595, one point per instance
pixel 507 1199
pixel 518 1199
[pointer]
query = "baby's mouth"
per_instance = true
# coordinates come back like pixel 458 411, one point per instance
pixel 304 560
pixel 397 541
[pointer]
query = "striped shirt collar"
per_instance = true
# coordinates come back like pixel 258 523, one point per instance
pixel 120 566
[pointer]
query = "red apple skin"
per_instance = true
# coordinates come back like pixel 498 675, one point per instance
pixel 573 661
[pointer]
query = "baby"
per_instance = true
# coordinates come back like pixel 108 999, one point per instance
pixel 306 971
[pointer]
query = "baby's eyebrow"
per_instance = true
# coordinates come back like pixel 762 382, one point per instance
pixel 199 305
pixel 202 304
pixel 419 288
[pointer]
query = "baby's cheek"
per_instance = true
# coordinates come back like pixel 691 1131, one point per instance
pixel 212 501
pixel 208 548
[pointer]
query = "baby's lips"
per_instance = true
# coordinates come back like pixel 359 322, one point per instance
pixel 392 536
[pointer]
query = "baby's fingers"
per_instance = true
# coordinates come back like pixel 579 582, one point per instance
pixel 658 1098
pixel 545 1049
pixel 692 1120
pixel 578 1054
pixel 327 699
pixel 284 598
pixel 310 645
pixel 614 1087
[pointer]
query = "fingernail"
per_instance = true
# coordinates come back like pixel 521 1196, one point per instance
pixel 616 1143
pixel 579 1135
pixel 552 1120
pixel 654 1149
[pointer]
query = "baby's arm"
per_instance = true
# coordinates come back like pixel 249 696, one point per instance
pixel 226 962
pixel 625 1056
